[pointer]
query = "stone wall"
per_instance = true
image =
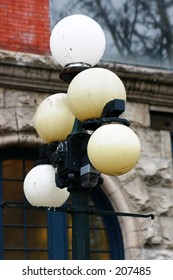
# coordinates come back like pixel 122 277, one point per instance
pixel 17 109
pixel 148 188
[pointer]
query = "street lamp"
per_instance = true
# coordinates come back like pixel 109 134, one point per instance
pixel 40 187
pixel 77 40
pixel 82 131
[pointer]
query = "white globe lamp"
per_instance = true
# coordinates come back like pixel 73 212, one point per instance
pixel 114 149
pixel 53 118
pixel 91 89
pixel 40 188
pixel 77 39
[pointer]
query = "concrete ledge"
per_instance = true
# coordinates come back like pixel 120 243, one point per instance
pixel 39 73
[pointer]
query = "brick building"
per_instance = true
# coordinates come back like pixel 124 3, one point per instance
pixel 28 75
pixel 26 26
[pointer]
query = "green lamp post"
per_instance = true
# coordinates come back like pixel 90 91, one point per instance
pixel 82 126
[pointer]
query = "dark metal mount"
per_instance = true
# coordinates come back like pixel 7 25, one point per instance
pixel 110 114
pixel 71 210
pixel 70 71
pixel 93 124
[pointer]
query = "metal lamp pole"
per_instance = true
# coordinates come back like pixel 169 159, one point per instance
pixel 74 170
pixel 80 226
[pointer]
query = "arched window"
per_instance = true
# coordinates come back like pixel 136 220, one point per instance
pixel 35 234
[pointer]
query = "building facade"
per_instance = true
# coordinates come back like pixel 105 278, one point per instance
pixel 29 75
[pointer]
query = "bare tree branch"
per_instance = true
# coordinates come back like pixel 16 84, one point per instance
pixel 137 27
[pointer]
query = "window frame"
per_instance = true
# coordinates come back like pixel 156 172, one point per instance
pixel 56 220
pixel 111 224
pixel 122 53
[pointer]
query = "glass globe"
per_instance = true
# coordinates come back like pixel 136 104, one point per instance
pixel 77 39
pixel 114 149
pixel 53 118
pixel 40 188
pixel 91 89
